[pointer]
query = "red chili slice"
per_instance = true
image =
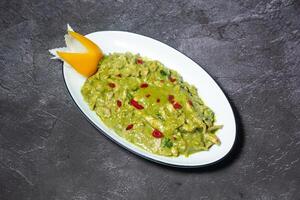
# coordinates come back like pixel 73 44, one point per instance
pixel 157 100
pixel 139 61
pixel 136 104
pixel 130 126
pixel 119 103
pixel 112 85
pixel 148 95
pixel 172 79
pixel 144 85
pixel 171 98
pixel 176 105
pixel 157 134
pixel 190 102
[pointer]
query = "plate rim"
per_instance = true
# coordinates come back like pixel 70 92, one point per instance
pixel 135 152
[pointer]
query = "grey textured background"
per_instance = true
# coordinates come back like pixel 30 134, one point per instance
pixel 49 151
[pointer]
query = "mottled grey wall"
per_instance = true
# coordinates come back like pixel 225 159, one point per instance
pixel 49 151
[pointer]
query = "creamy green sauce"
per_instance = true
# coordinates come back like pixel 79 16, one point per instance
pixel 150 106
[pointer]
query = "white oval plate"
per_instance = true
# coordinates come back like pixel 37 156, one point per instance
pixel 209 91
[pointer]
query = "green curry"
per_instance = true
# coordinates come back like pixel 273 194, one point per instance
pixel 150 106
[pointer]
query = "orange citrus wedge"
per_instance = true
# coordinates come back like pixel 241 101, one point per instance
pixel 81 53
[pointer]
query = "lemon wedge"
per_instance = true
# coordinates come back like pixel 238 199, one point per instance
pixel 81 53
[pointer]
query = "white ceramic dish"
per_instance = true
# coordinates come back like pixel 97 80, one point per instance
pixel 209 91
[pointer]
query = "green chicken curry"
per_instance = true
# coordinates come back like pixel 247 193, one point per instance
pixel 150 106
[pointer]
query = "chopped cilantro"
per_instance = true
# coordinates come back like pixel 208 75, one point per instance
pixel 167 142
pixel 129 96
pixel 163 73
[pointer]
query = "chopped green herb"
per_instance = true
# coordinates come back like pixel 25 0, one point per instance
pixel 135 89
pixel 167 142
pixel 129 96
pixel 163 73
pixel 158 115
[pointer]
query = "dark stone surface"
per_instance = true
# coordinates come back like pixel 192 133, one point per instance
pixel 49 151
